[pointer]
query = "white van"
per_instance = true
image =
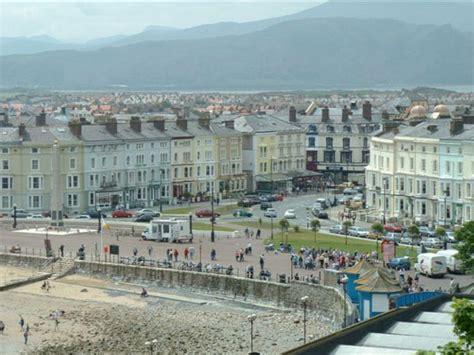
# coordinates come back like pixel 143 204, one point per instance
pixel 168 230
pixel 452 264
pixel 431 264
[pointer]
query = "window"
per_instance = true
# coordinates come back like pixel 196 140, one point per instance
pixel 347 129
pixel 73 181
pixel 5 151
pixel 329 142
pixel 7 183
pixel 72 163
pixel 35 150
pixel 128 160
pixel 329 157
pixel 6 165
pixel 152 158
pixel 91 198
pixel 35 164
pixel 311 142
pixel 366 143
pixel 186 156
pixel 7 202
pixel 402 184
pixel 433 188
pixel 459 167
pixel 459 191
pixel 434 166
pixel 423 164
pixel 34 202
pixel 35 182
pixel 412 164
pixel 72 200
pixel 115 160
pixel 346 143
pixel 91 180
pixel 423 208
pixel 175 172
pixel 448 167
pixel 209 154
pixel 93 163
pixel 423 187
pixel 468 190
pixel 198 172
pixel 402 162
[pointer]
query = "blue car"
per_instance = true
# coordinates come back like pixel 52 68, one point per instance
pixel 399 263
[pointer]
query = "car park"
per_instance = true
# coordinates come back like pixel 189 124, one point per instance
pixel 265 205
pixel 148 211
pixel 121 214
pixel 290 214
pixel 358 232
pixel 206 213
pixel 270 212
pixel 336 229
pixel 242 213
pixel 399 263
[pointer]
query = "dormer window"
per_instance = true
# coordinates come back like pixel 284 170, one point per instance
pixel 347 129
pixel 330 129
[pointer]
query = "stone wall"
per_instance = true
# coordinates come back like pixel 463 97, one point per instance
pixel 327 301
pixel 22 260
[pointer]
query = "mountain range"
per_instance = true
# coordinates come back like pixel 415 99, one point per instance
pixel 457 14
pixel 307 53
pixel 336 44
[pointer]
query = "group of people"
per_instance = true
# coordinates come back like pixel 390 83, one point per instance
pixel 335 259
pixel 249 233
pixel 188 254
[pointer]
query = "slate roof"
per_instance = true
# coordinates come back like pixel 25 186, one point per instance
pixel 263 124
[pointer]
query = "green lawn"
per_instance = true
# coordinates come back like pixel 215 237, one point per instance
pixel 306 239
pixel 179 210
pixel 256 225
pixel 226 209
pixel 200 226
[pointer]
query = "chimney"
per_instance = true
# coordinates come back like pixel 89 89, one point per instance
pixel 136 124
pixel 292 114
pixel 63 110
pixel 182 123
pixel 159 124
pixel 367 110
pixel 432 128
pixel 41 119
pixel 456 126
pixel 230 124
pixel 22 130
pixel 204 121
pixel 76 128
pixel 353 105
pixel 325 114
pixel 345 114
pixel 186 111
pixel 111 125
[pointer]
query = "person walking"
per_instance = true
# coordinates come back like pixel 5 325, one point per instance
pixel 176 253
pixel 262 262
pixel 191 253
pixel 186 253
pixel 150 250
pixel 21 322
pixel 135 251
pixel 61 250
pixel 25 335
pixel 213 254
pixel 259 232
pixel 56 323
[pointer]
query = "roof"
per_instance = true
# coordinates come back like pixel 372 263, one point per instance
pixel 359 268
pixel 424 326
pixel 263 124
pixel 378 284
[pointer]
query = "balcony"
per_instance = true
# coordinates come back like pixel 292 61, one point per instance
pixel 108 184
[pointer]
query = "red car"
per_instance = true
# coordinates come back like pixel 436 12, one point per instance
pixel 206 213
pixel 278 197
pixel 121 214
pixel 393 229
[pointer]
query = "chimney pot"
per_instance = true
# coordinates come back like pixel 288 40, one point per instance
pixel 41 119
pixel 22 130
pixel 292 114
pixel 456 126
pixel 345 114
pixel 76 128
pixel 159 124
pixel 367 110
pixel 182 123
pixel 325 114
pixel 111 125
pixel 136 124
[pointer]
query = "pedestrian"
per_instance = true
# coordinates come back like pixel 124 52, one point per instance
pixel 2 327
pixel 150 250
pixel 56 323
pixel 61 250
pixel 176 253
pixel 241 255
pixel 259 232
pixel 237 255
pixel 135 251
pixel 213 254
pixel 262 262
pixel 260 224
pixel 186 254
pixel 26 334
pixel 21 322
pixel 249 248
pixel 191 253
pixel 47 286
pixel 251 233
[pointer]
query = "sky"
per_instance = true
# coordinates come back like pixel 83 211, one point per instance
pixel 81 21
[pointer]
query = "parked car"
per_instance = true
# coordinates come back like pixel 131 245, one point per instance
pixel 290 214
pixel 277 197
pixel 450 237
pixel 336 229
pixel 319 214
pixel 83 216
pixel 431 265
pixel 20 213
pixel 358 232
pixel 148 211
pixel 242 213
pixel 206 213
pixel 399 263
pixel 392 228
pixel 94 214
pixel 121 214
pixel 432 243
pixel 265 205
pixel 407 240
pixel 35 216
pixel 426 232
pixel 395 237
pixel 270 212
pixel 144 218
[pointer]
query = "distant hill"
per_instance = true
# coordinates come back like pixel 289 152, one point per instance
pixel 309 53
pixel 457 14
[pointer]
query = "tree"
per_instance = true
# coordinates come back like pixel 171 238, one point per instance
pixel 284 225
pixel 413 230
pixel 466 246
pixel 378 229
pixel 440 232
pixel 346 225
pixel 315 226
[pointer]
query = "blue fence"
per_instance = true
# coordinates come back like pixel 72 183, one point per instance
pixel 415 297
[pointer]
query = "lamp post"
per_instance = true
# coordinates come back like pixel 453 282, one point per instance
pixel 384 183
pixel 213 217
pixel 271 227
pixel 251 318
pixel 99 219
pixel 445 192
pixel 200 251
pixel 161 189
pixel 14 216
pixel 304 300
pixel 343 281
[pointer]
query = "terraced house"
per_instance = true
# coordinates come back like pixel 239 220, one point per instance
pixel 424 173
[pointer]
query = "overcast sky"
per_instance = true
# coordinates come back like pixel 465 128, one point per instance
pixel 79 21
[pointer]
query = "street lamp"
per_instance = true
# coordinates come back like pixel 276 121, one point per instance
pixel 251 318
pixel 271 226
pixel 161 189
pixel 445 192
pixel 384 183
pixel 14 216
pixel 213 217
pixel 304 300
pixel 99 218
pixel 200 251
pixel 343 281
